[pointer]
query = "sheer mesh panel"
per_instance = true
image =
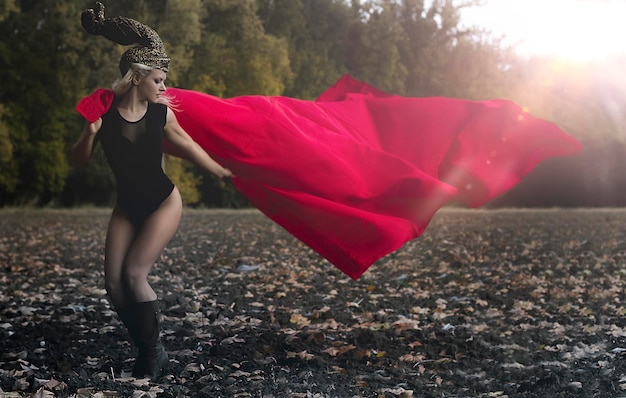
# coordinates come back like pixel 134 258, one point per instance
pixel 133 131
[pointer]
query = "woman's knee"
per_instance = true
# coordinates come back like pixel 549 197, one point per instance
pixel 133 276
pixel 114 288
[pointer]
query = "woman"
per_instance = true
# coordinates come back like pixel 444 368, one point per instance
pixel 148 207
pixel 354 174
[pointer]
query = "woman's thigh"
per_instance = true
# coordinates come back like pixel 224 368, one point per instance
pixel 154 235
pixel 120 237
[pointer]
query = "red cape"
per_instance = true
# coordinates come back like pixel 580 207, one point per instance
pixel 358 172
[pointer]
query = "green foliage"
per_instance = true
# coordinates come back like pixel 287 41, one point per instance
pixel 314 30
pixel 8 163
pixel 51 168
pixel 181 31
pixel 375 54
pixel 216 193
pixel 93 183
pixel 274 47
pixel 236 56
pixel 38 67
pixel 6 8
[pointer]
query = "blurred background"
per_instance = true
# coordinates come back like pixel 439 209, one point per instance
pixel 562 60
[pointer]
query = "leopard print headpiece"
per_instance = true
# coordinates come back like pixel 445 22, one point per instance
pixel 126 31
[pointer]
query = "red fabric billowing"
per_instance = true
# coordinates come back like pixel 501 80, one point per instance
pixel 96 104
pixel 359 172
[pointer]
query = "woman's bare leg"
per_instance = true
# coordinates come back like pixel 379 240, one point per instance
pixel 130 254
pixel 120 237
pixel 155 234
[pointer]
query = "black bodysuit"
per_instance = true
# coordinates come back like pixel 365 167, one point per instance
pixel 134 151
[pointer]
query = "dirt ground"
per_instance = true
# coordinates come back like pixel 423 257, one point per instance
pixel 490 303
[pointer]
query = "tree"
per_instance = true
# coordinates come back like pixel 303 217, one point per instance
pixel 372 51
pixel 8 162
pixel 181 31
pixel 275 47
pixel 38 67
pixel 314 30
pixel 235 56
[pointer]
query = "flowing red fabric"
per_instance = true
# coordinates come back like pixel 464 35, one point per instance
pixel 96 104
pixel 358 172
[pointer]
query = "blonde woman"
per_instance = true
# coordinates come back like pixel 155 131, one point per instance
pixel 148 206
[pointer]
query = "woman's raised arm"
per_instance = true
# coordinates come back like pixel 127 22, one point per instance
pixel 176 135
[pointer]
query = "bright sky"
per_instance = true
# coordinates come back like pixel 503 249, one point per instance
pixel 579 30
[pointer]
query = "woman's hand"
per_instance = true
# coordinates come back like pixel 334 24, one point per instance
pixel 93 128
pixel 225 173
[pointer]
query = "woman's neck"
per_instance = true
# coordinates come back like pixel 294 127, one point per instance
pixel 130 107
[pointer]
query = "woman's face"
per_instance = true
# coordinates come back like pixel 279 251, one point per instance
pixel 152 85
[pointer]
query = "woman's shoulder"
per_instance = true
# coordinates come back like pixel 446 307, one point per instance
pixel 158 111
pixel 157 107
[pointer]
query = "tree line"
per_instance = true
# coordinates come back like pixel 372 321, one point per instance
pixel 295 48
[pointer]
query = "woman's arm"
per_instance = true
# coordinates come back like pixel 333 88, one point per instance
pixel 82 149
pixel 192 151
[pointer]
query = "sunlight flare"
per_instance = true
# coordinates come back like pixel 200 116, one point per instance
pixel 578 30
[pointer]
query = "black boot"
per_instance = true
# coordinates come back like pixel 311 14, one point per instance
pixel 128 317
pixel 130 321
pixel 152 360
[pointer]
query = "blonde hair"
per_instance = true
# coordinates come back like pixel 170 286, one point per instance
pixel 121 86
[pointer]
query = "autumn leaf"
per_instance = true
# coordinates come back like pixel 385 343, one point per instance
pixel 299 320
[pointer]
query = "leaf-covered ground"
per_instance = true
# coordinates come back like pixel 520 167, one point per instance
pixel 519 303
